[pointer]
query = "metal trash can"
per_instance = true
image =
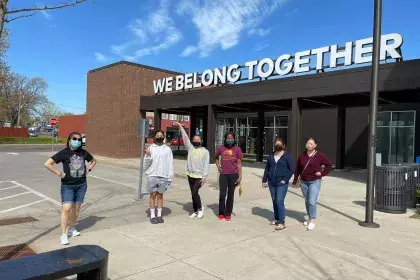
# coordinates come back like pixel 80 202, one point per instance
pixel 391 189
pixel 413 184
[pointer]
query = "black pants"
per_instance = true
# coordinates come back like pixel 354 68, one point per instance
pixel 195 185
pixel 227 186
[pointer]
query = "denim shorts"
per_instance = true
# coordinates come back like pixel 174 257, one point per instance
pixel 157 184
pixel 73 194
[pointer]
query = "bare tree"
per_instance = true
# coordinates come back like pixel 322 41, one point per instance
pixel 8 15
pixel 20 95
pixel 48 109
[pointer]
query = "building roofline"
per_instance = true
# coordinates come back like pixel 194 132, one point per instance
pixel 122 62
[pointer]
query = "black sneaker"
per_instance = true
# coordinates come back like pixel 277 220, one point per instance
pixel 160 220
pixel 154 221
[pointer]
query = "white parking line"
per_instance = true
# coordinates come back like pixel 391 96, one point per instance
pixel 21 206
pixel 7 197
pixel 115 182
pixel 37 193
pixel 14 187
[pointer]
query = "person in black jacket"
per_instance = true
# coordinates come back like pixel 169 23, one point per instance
pixel 277 174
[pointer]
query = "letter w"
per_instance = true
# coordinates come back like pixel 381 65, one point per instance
pixel 159 85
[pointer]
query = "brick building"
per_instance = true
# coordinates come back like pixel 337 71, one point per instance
pixel 113 103
pixel 69 124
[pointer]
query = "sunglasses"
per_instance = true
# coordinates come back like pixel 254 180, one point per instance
pixel 76 139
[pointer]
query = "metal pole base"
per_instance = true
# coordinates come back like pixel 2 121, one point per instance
pixel 369 225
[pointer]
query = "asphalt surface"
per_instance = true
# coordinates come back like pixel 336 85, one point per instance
pixel 27 188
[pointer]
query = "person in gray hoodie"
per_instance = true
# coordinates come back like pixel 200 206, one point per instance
pixel 158 164
pixel 197 169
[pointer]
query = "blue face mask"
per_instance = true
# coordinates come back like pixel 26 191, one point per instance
pixel 230 142
pixel 75 144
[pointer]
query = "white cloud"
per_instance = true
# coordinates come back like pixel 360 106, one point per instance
pixel 100 57
pixel 153 34
pixel 189 50
pixel 259 31
pixel 260 47
pixel 220 23
pixel 46 14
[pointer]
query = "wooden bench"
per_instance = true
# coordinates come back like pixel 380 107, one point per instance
pixel 88 262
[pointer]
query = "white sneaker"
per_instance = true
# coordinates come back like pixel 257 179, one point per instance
pixel 194 215
pixel 311 226
pixel 64 240
pixel 73 232
pixel 305 223
pixel 200 213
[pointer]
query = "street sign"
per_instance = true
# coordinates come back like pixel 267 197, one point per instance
pixel 142 127
pixel 53 121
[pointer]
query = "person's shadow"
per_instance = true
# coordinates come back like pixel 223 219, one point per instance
pixel 88 222
pixel 269 215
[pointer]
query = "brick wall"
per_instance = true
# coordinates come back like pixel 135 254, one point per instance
pixel 113 102
pixel 69 124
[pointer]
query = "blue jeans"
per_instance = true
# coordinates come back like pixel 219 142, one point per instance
pixel 310 191
pixel 278 194
pixel 73 194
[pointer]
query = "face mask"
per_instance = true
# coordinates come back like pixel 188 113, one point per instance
pixel 159 140
pixel 278 148
pixel 196 144
pixel 230 142
pixel 75 144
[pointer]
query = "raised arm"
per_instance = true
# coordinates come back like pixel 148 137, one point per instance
pixel 185 137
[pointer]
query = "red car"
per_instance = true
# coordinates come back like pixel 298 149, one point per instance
pixel 176 142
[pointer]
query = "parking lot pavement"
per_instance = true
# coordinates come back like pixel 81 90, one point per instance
pixel 28 189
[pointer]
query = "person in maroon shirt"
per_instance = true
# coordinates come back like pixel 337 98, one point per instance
pixel 230 169
pixel 311 166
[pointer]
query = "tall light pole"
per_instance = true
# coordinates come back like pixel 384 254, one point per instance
pixel 372 116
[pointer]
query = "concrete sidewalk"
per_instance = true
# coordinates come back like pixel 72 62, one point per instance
pixel 248 247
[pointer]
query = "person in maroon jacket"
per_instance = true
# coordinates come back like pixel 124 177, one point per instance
pixel 311 166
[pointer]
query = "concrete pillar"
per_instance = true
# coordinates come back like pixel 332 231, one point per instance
pixel 341 138
pixel 210 131
pixel 157 119
pixel 294 135
pixel 260 136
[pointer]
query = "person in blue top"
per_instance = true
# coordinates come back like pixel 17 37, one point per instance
pixel 277 174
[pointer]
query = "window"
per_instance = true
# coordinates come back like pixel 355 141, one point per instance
pixel 173 117
pixel 164 116
pixel 150 121
pixel 186 118
pixel 396 135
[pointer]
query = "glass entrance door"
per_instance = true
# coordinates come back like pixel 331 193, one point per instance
pixel 395 131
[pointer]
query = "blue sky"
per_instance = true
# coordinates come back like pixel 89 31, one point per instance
pixel 187 35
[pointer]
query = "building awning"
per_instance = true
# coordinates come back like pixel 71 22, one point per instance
pixel 349 88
